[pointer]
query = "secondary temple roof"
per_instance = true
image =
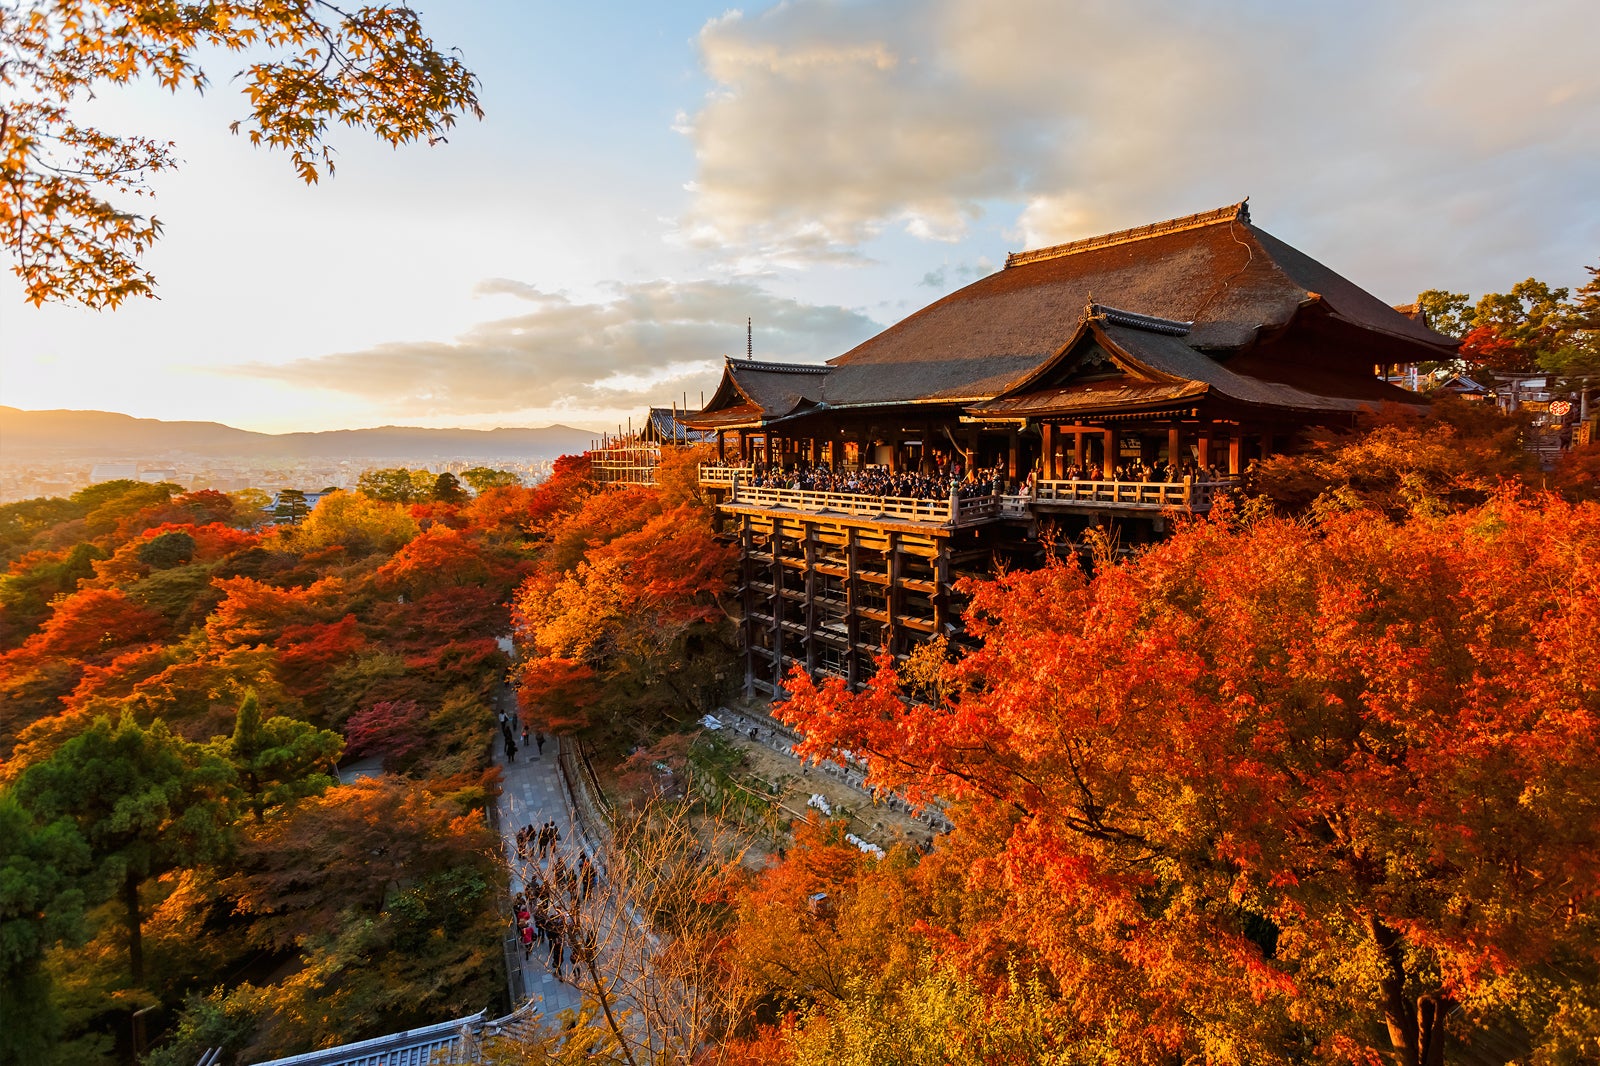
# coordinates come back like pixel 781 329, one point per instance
pixel 1177 301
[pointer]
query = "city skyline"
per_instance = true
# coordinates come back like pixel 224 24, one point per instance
pixel 647 179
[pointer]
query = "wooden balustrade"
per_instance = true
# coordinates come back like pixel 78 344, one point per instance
pixel 954 510
pixel 1185 495
pixel 719 476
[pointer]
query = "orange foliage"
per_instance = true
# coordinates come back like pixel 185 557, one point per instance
pixel 555 693
pixel 443 558
pixel 1208 779
pixel 212 542
pixel 308 653
pixel 253 612
pixel 88 624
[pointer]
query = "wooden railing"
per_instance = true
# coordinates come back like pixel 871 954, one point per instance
pixel 716 475
pixel 856 505
pixel 1185 495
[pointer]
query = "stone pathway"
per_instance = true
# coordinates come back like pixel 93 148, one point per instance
pixel 531 795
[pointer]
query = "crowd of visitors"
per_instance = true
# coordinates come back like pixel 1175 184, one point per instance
pixel 966 484
pixel 1139 470
pixel 880 481
pixel 548 912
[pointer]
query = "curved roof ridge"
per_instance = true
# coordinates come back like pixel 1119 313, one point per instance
pixel 782 368
pixel 1239 212
pixel 1134 320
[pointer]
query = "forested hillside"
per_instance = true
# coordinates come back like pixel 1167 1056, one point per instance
pixel 180 681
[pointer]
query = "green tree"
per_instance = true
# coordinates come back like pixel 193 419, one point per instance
pixel 396 484
pixel 64 197
pixel 1449 313
pixel 290 506
pixel 250 506
pixel 41 902
pixel 1577 359
pixel 447 489
pixel 484 478
pixel 167 550
pixel 279 759
pixel 144 800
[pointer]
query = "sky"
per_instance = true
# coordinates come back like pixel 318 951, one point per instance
pixel 648 176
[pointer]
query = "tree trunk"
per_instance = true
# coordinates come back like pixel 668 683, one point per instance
pixel 130 899
pixel 1416 1029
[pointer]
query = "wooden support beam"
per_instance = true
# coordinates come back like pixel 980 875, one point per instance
pixel 852 601
pixel 811 588
pixel 1013 459
pixel 941 595
pixel 1236 450
pixel 1205 447
pixel 895 593
pixel 1174 444
pixel 747 575
pixel 1077 449
pixel 777 602
pixel 1108 443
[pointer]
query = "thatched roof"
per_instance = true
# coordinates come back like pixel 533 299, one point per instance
pixel 1230 283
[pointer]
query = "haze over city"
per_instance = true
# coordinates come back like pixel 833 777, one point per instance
pixel 647 177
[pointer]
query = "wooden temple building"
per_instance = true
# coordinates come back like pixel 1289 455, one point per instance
pixel 1189 347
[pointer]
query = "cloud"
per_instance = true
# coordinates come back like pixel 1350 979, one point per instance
pixel 830 124
pixel 642 343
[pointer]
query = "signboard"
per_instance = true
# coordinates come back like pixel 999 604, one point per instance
pixel 1561 408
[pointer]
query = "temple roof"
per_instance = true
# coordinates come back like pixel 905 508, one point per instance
pixel 1158 367
pixel 1228 284
pixel 665 424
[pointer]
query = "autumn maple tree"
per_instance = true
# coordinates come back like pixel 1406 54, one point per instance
pixel 68 189
pixel 1275 785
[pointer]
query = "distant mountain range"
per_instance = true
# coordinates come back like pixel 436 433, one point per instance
pixel 101 434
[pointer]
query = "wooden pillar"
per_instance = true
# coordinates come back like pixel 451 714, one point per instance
pixel 1174 445
pixel 1077 450
pixel 1013 460
pixel 1236 450
pixel 941 586
pixel 816 451
pixel 722 446
pixel 852 603
pixel 1108 443
pixel 811 586
pixel 747 593
pixel 894 457
pixel 776 605
pixel 1205 448
pixel 894 600
pixel 1266 445
pixel 1047 440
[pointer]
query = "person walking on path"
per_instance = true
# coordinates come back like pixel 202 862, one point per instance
pixel 538 738
pixel 556 930
pixel 586 877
